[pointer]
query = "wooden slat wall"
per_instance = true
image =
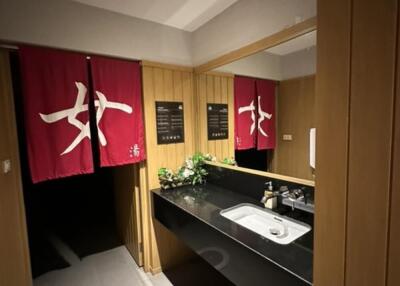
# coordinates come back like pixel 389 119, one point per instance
pixel 127 189
pixel 357 184
pixel 295 104
pixel 332 104
pixel 214 88
pixel 164 83
pixel 14 255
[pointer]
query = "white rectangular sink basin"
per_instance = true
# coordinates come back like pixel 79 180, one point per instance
pixel 280 229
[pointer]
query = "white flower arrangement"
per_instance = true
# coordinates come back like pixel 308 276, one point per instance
pixel 191 172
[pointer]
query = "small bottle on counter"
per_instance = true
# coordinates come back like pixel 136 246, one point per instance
pixel 271 201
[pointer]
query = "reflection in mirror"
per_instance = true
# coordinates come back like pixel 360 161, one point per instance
pixel 274 108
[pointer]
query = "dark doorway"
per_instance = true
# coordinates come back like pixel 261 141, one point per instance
pixel 77 213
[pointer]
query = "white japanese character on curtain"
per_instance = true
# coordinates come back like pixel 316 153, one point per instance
pixel 71 114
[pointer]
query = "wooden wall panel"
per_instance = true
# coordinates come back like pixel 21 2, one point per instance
pixel 164 83
pixel 332 104
pixel 126 185
pixel 371 106
pixel 295 104
pixel 361 214
pixel 214 88
pixel 393 278
pixel 14 254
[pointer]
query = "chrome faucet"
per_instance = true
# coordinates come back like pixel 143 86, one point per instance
pixel 295 195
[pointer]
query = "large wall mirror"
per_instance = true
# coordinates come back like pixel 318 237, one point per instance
pixel 284 141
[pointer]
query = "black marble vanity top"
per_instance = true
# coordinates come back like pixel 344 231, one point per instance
pixel 205 203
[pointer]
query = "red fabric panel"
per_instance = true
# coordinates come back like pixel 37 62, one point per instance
pixel 266 114
pixel 56 113
pixel 245 113
pixel 118 102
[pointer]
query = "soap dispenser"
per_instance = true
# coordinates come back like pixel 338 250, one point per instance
pixel 271 200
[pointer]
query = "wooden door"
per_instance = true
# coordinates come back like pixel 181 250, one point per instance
pixel 14 255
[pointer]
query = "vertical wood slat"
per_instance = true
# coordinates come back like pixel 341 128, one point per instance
pixel 169 96
pixel 332 104
pixel 217 99
pixel 224 99
pixel 149 83
pixel 145 216
pixel 394 234
pixel 127 201
pixel 202 102
pixel 372 91
pixel 14 254
pixel 178 96
pixel 231 113
pixel 164 83
pixel 210 99
pixel 214 88
pixel 158 95
pixel 188 95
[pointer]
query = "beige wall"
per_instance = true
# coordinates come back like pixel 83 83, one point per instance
pixel 299 64
pixel 261 65
pixel 70 25
pixel 275 67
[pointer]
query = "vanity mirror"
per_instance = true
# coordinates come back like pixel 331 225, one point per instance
pixel 270 98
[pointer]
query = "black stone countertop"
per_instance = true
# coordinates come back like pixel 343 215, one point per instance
pixel 205 203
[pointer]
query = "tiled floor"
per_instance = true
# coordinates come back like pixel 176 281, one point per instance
pixel 115 267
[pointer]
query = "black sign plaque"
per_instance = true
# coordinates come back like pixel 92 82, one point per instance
pixel 170 126
pixel 217 121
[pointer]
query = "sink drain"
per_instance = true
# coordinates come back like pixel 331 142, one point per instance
pixel 274 231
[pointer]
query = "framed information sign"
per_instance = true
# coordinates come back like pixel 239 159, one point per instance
pixel 170 124
pixel 217 121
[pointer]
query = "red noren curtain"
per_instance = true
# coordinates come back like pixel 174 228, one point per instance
pixel 118 103
pixel 56 116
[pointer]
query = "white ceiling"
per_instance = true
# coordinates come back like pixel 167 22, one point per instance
pixel 297 44
pixel 186 15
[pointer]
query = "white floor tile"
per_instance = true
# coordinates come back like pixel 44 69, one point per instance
pixel 110 268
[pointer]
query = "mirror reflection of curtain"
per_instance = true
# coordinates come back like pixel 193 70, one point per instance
pixel 245 112
pixel 265 90
pixel 254 113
